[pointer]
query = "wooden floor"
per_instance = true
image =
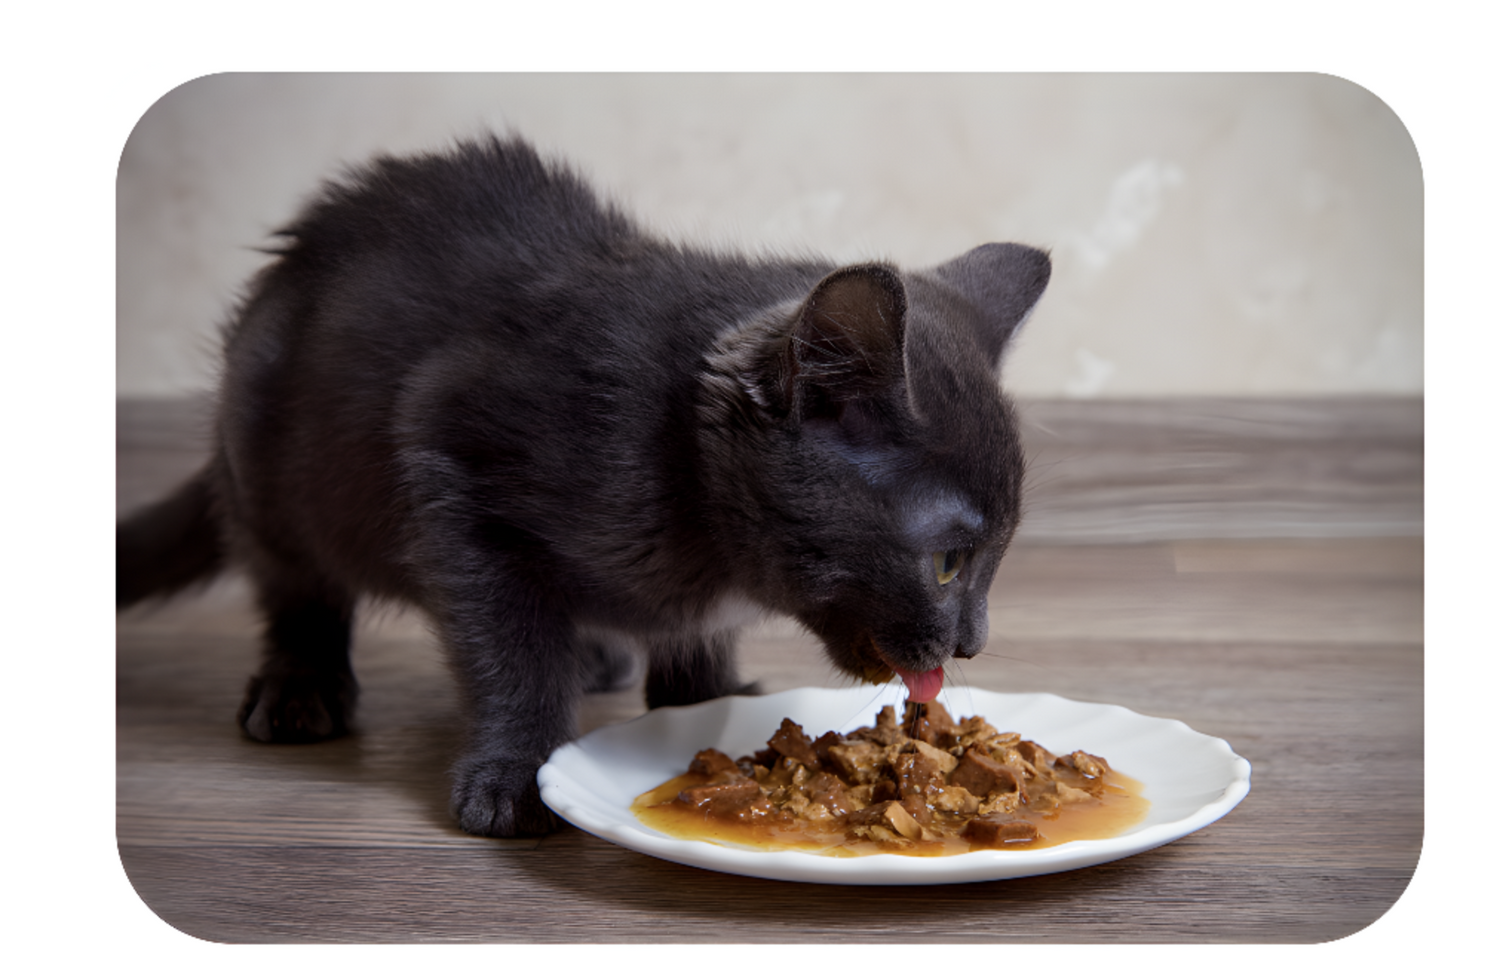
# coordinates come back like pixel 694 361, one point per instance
pixel 1251 568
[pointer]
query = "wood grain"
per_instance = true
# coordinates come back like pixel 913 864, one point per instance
pixel 1300 645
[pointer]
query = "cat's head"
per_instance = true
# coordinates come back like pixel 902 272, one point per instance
pixel 867 460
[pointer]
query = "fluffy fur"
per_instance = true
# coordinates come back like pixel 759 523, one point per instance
pixel 467 383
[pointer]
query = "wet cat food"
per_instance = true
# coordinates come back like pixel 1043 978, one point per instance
pixel 924 785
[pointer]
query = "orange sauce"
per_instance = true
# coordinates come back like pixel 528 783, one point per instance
pixel 1120 807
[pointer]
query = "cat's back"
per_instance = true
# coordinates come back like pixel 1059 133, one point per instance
pixel 483 304
pixel 494 201
pixel 492 242
pixel 486 244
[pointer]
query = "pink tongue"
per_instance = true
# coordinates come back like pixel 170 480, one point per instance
pixel 922 687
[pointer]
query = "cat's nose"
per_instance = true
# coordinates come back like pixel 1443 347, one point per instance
pixel 972 637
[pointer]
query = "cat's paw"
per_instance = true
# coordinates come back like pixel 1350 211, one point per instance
pixel 298 706
pixel 499 798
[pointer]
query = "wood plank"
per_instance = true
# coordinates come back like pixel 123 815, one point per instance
pixel 1223 468
pixel 576 888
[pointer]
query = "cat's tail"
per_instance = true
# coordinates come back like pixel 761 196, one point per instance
pixel 169 545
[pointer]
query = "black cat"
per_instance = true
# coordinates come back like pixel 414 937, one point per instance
pixel 469 384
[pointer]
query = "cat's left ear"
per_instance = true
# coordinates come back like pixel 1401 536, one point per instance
pixel 1004 282
pixel 846 341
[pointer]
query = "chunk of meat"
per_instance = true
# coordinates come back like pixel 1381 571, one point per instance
pixel 1035 754
pixel 823 743
pixel 1004 803
pixel 1068 794
pixel 892 816
pixel 931 724
pixel 973 730
pixel 997 831
pixel 784 772
pixel 827 790
pixel 918 808
pixel 1009 756
pixel 795 802
pixel 954 799
pixel 765 758
pixel 939 717
pixel 886 731
pixel 945 762
pixel 730 793
pixel 791 741
pixel 857 761
pixel 711 762
pixel 917 775
pixel 1091 766
pixel 983 776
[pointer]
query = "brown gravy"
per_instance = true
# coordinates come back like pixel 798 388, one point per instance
pixel 800 794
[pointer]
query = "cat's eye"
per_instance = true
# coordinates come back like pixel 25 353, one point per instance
pixel 947 564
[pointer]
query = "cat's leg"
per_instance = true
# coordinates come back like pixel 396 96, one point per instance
pixel 305 690
pixel 693 669
pixel 521 672
pixel 521 698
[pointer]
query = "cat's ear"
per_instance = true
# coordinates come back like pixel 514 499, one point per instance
pixel 846 340
pixel 1003 282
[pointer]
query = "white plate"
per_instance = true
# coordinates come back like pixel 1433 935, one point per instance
pixel 1190 779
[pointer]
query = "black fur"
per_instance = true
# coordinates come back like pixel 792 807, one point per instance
pixel 468 384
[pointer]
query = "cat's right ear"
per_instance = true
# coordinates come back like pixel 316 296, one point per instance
pixel 845 342
pixel 1004 283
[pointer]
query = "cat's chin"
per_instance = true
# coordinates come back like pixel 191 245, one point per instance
pixel 869 664
pixel 874 667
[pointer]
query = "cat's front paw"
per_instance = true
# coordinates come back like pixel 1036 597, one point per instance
pixel 499 798
pixel 298 706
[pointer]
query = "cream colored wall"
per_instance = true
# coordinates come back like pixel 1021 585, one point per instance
pixel 1211 234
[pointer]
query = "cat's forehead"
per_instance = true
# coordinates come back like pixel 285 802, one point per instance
pixel 947 483
pixel 932 511
pixel 969 435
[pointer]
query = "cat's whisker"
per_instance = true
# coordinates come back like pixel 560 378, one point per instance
pixel 857 716
pixel 878 692
pixel 1034 481
pixel 1033 423
pixel 989 654
pixel 963 684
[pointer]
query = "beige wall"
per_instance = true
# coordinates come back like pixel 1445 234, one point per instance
pixel 1211 234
